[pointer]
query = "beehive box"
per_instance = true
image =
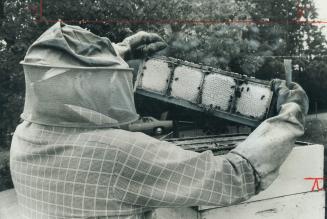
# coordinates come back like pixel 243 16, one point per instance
pixel 227 95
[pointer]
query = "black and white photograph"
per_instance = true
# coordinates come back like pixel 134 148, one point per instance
pixel 163 109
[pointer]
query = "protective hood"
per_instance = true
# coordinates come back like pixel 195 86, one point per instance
pixel 76 79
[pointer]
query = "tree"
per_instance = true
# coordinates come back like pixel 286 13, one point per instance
pixel 224 39
pixel 214 44
pixel 213 32
pixel 17 31
pixel 292 33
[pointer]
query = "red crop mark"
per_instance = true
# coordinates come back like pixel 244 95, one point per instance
pixel 300 13
pixel 301 9
pixel 315 186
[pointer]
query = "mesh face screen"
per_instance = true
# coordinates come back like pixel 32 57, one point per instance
pixel 254 100
pixel 186 83
pixel 218 90
pixel 156 76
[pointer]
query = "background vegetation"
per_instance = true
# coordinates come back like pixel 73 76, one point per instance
pixel 247 37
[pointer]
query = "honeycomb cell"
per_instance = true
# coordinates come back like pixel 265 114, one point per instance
pixel 254 100
pixel 186 83
pixel 217 91
pixel 155 76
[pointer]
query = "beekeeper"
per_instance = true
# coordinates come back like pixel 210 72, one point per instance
pixel 70 157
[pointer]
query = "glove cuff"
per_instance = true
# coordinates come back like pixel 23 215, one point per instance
pixel 270 144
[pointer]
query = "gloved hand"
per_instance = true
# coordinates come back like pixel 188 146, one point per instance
pixel 293 93
pixel 268 146
pixel 140 45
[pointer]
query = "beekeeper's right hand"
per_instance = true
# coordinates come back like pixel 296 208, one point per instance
pixel 294 93
pixel 269 145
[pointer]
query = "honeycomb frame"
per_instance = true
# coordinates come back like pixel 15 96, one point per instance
pixel 217 92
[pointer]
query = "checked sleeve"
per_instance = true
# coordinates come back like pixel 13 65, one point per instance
pixel 152 173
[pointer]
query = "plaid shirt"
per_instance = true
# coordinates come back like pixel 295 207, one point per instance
pixel 110 173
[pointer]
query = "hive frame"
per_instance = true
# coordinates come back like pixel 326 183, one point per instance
pixel 230 114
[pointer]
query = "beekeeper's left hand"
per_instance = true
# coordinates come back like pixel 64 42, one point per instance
pixel 140 45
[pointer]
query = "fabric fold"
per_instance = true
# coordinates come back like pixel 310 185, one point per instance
pixel 76 79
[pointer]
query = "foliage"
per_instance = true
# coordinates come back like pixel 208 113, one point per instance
pixel 4 171
pixel 13 45
pixel 224 37
pixel 314 81
pixel 292 33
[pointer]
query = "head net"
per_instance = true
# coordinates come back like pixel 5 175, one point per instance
pixel 76 79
